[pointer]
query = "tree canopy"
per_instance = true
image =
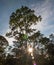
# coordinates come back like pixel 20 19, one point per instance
pixel 20 24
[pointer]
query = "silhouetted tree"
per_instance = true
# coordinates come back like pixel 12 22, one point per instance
pixel 21 29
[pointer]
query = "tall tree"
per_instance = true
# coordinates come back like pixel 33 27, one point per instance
pixel 20 24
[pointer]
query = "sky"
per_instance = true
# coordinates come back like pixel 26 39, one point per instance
pixel 45 8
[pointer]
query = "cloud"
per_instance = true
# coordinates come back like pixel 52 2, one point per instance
pixel 46 11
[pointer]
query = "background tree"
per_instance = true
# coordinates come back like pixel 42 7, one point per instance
pixel 50 49
pixel 3 46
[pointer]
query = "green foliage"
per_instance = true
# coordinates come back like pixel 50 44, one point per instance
pixel 25 37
